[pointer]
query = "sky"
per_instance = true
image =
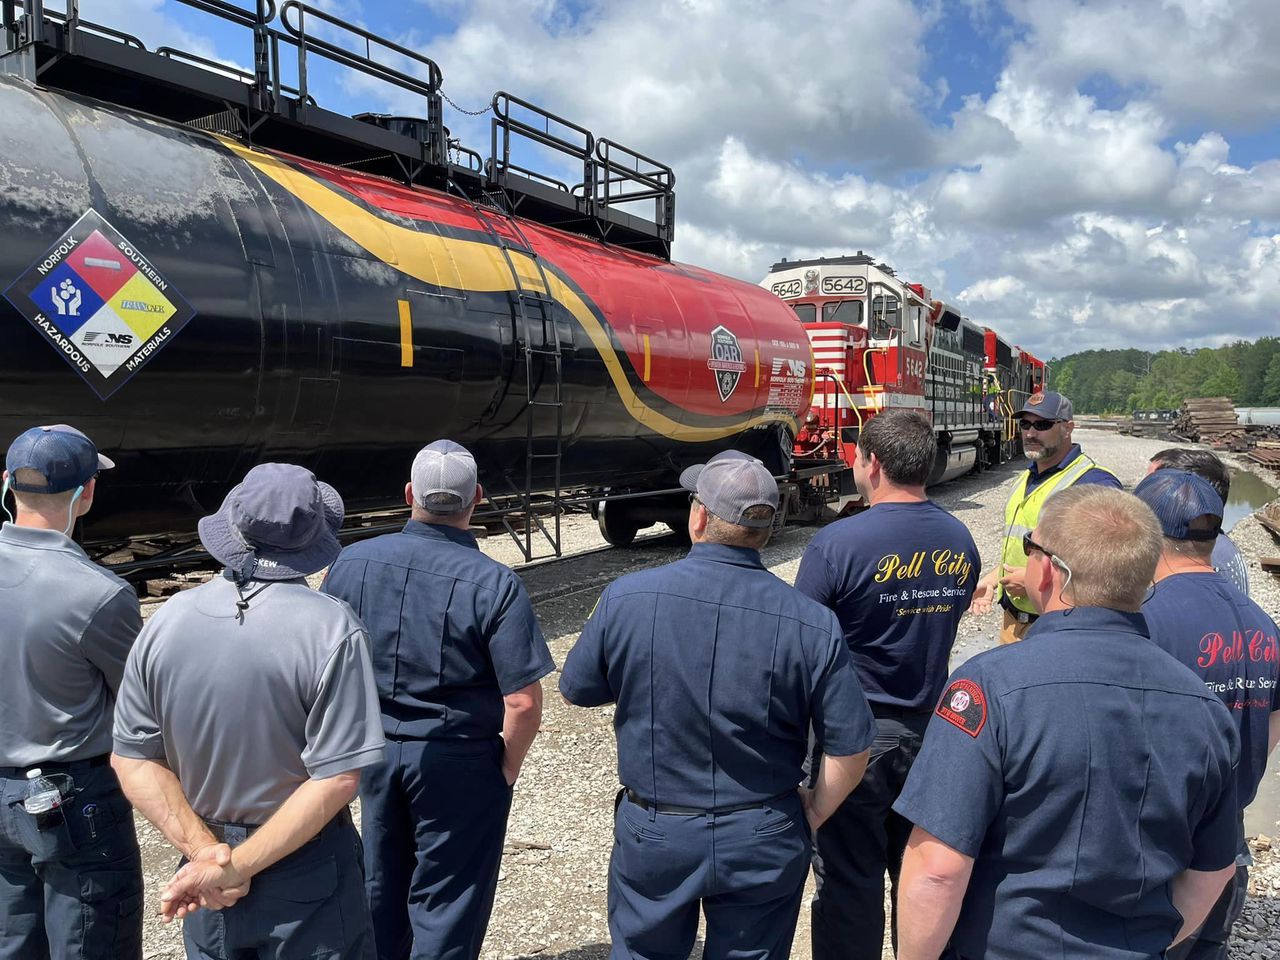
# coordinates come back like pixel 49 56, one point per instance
pixel 1077 174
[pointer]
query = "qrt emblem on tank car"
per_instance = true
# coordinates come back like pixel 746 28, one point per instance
pixel 726 361
pixel 100 303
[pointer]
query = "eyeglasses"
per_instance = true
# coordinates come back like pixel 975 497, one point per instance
pixel 1028 545
pixel 693 498
pixel 1039 426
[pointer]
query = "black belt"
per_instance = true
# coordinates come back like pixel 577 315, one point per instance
pixel 232 834
pixel 1022 616
pixel 644 804
pixel 56 766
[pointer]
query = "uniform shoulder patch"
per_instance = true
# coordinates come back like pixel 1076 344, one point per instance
pixel 964 705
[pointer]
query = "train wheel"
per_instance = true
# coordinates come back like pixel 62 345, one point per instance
pixel 618 529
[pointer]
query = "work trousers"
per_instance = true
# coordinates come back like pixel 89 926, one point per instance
pixel 308 905
pixel 71 880
pixel 746 870
pixel 862 841
pixel 435 818
pixel 1210 941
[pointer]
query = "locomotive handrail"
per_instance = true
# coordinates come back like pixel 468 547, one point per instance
pixel 10 18
pixel 533 174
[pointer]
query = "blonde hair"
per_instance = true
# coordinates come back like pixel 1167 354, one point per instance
pixel 1110 540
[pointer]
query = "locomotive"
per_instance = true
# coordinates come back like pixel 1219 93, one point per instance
pixel 882 343
pixel 206 269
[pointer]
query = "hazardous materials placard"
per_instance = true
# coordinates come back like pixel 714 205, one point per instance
pixel 100 303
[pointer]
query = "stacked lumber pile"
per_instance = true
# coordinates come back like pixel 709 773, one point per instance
pixel 1266 453
pixel 1211 420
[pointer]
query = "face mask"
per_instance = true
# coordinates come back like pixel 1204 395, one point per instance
pixel 71 511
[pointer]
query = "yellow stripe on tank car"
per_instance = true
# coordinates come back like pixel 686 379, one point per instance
pixel 406 334
pixel 473 266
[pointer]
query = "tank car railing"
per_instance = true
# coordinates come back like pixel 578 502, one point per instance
pixel 507 126
pixel 35 13
pixel 622 166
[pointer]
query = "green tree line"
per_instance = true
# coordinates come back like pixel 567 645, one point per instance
pixel 1118 381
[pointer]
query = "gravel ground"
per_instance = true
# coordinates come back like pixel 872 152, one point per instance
pixel 552 894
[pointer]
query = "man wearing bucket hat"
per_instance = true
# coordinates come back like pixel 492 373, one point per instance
pixel 1225 638
pixel 1057 463
pixel 247 712
pixel 70 872
pixel 719 671
pixel 459 662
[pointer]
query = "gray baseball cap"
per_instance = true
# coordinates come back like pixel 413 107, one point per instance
pixel 730 484
pixel 1048 406
pixel 444 467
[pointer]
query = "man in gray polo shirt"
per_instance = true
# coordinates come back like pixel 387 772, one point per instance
pixel 70 877
pixel 247 711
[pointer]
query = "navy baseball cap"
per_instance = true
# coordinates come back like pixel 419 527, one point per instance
pixel 730 484
pixel 64 456
pixel 1186 505
pixel 1048 406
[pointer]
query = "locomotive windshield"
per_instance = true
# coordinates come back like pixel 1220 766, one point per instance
pixel 807 312
pixel 885 316
pixel 843 311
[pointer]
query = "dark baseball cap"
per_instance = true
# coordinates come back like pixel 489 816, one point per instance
pixel 1048 406
pixel 1186 505
pixel 730 484
pixel 64 456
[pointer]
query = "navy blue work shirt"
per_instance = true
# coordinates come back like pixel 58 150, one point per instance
pixel 451 631
pixel 1231 643
pixel 718 668
pixel 899 577
pixel 1093 475
pixel 1083 769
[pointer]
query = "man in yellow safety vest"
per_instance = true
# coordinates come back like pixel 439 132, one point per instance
pixel 1056 463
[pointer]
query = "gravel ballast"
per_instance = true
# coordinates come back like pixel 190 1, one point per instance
pixel 552 895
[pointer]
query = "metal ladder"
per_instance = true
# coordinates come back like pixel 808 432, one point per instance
pixel 539 339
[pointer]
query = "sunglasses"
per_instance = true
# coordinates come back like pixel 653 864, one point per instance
pixel 1040 426
pixel 1028 545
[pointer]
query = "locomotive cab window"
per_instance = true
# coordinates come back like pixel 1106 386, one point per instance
pixel 886 316
pixel 843 311
pixel 807 312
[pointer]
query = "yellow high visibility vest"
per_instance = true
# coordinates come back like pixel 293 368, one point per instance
pixel 1022 513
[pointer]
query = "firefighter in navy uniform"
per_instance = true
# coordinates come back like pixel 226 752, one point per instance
pixel 70 878
pixel 1076 793
pixel 459 660
pixel 1201 618
pixel 719 670
pixel 898 576
pixel 1057 463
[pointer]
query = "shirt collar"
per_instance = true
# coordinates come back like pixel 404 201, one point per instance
pixel 40 539
pixel 1038 475
pixel 1099 619
pixel 435 531
pixel 723 553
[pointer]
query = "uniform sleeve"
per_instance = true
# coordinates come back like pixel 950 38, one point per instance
pixel 584 680
pixel 136 731
pixel 344 724
pixel 956 785
pixel 345 580
pixel 1101 478
pixel 110 635
pixel 1216 839
pixel 842 720
pixel 815 578
pixel 517 648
